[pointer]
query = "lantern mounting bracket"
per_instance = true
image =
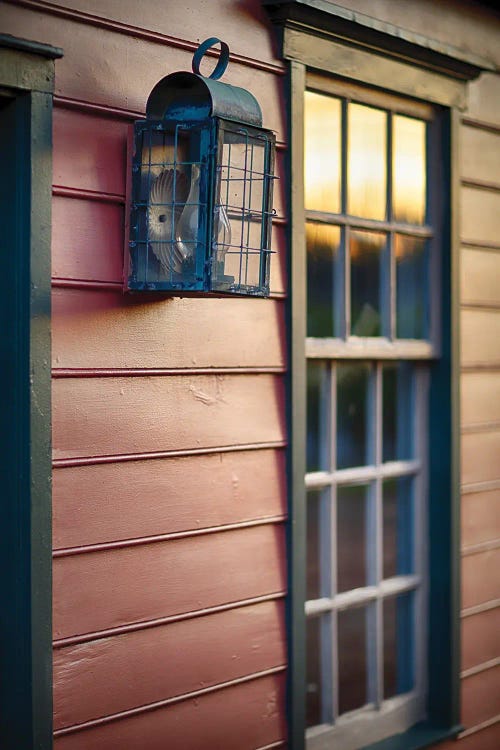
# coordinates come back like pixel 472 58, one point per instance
pixel 222 62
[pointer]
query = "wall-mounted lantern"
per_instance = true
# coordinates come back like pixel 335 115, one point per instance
pixel 200 192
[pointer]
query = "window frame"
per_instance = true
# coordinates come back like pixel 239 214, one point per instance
pixel 319 36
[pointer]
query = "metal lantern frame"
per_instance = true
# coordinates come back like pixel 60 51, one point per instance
pixel 200 188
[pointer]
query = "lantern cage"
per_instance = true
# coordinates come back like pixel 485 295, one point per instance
pixel 201 188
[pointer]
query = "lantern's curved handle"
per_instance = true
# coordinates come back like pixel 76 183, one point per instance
pixel 222 62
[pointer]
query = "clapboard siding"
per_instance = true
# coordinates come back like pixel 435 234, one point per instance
pixel 480 635
pixel 484 100
pixel 137 499
pixel 88 242
pixel 110 330
pixel 113 416
pixel 112 588
pixel 480 337
pixel 165 661
pixel 480 210
pixel 480 398
pixel 481 697
pixel 479 583
pixel 480 276
pixel 112 68
pixel 480 517
pixel 242 717
pixel 480 155
pixel 480 452
pixel 485 738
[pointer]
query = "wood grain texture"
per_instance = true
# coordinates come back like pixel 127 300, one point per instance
pixel 146 498
pixel 243 717
pixel 255 43
pixel 89 151
pixel 480 398
pixel 116 674
pixel 480 276
pixel 165 333
pixel 480 337
pixel 480 697
pixel 479 580
pixel 479 215
pixel 106 67
pixel 109 416
pixel 87 240
pixel 480 453
pixel 480 517
pixel 480 638
pixel 480 155
pixel 100 590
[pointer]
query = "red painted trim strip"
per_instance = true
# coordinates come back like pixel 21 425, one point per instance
pixel 133 627
pixel 61 463
pixel 140 372
pixel 140 33
pixel 168 701
pixel 93 195
pixel 98 286
pixel 69 551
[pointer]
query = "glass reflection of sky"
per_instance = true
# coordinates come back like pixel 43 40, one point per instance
pixel 366 162
pixel 408 167
pixel 322 152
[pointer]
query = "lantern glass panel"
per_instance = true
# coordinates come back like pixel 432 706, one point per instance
pixel 241 219
pixel 168 214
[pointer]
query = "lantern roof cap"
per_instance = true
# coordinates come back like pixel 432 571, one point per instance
pixel 191 96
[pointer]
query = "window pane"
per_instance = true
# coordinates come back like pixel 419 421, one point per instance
pixel 322 117
pixel 352 659
pixel 314 688
pixel 313 544
pixel 397 526
pixel 323 243
pixel 351 537
pixel 366 166
pixel 366 251
pixel 411 287
pixel 409 170
pixel 398 645
pixel 352 414
pixel 317 416
pixel 397 411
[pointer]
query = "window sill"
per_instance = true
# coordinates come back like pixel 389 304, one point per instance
pixel 420 736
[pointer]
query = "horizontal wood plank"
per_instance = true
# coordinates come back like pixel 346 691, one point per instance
pixel 90 152
pixel 479 582
pixel 480 274
pixel 146 498
pixel 116 674
pixel 480 155
pixel 480 454
pixel 243 717
pixel 252 43
pixel 105 67
pixel 487 738
pixel 107 589
pixel 480 517
pixel 480 697
pixel 88 242
pixel 484 99
pixel 480 638
pixel 165 333
pixel 479 215
pixel 110 416
pixel 480 398
pixel 480 337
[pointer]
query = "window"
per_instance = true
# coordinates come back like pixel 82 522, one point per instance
pixel 372 252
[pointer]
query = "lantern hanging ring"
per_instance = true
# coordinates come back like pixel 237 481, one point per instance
pixel 222 62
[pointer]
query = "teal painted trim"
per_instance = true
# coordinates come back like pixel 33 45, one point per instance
pixel 25 418
pixel 296 414
pixel 416 738
pixel 27 45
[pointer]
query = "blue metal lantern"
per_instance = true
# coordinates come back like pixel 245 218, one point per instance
pixel 200 210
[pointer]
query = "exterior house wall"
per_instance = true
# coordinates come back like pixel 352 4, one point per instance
pixel 169 414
